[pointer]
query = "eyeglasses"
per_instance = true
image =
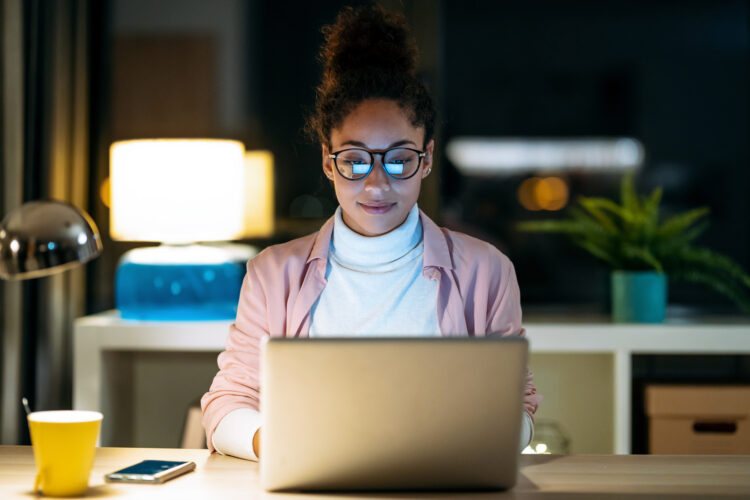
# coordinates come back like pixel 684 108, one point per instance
pixel 399 163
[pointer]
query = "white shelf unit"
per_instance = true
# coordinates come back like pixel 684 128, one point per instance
pixel 101 334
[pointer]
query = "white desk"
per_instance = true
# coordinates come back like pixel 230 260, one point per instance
pixel 105 333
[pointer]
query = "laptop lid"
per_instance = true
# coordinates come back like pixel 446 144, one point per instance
pixel 391 413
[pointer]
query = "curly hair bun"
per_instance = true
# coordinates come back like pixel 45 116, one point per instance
pixel 368 53
pixel 368 39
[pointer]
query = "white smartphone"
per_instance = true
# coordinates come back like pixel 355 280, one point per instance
pixel 150 472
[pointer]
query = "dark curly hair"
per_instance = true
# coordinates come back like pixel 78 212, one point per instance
pixel 368 53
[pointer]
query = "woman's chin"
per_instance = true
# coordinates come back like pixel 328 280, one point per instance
pixel 375 229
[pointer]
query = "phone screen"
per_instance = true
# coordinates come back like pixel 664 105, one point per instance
pixel 149 467
pixel 150 471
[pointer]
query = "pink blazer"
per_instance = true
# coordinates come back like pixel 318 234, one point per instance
pixel 477 295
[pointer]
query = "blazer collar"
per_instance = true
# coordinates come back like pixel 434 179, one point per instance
pixel 322 242
pixel 436 251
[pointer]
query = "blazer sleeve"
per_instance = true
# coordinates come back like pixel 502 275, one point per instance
pixel 505 319
pixel 237 383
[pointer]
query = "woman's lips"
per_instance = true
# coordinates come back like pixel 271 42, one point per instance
pixel 376 208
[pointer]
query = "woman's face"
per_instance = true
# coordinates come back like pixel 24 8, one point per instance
pixel 378 203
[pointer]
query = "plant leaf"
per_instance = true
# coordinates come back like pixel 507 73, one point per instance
pixel 551 226
pixel 715 263
pixel 727 288
pixel 598 251
pixel 681 222
pixel 587 221
pixel 610 206
pixel 651 212
pixel 668 247
pixel 628 198
pixel 642 254
pixel 594 207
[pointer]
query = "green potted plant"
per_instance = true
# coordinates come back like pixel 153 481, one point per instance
pixel 642 251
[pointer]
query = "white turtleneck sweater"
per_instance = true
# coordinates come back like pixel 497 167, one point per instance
pixel 375 287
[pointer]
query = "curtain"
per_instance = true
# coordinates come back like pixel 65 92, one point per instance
pixel 44 155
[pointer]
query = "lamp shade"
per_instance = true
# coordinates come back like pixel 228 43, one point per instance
pixel 177 190
pixel 259 189
pixel 40 238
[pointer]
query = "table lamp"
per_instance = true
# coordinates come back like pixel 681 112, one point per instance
pixel 180 192
pixel 41 238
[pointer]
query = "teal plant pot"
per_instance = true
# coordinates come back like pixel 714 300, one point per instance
pixel 639 296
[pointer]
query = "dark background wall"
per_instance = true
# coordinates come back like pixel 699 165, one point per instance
pixel 673 75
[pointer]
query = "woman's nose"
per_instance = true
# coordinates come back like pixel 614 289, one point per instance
pixel 378 179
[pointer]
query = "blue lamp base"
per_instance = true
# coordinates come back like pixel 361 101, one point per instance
pixel 181 283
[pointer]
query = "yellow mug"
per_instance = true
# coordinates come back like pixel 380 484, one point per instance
pixel 64 443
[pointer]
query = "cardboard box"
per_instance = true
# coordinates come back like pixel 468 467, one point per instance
pixel 698 420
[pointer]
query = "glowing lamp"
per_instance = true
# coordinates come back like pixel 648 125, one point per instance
pixel 177 191
pixel 180 192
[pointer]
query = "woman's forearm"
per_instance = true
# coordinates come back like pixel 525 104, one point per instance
pixel 235 434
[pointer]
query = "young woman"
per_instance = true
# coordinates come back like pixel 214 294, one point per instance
pixel 379 266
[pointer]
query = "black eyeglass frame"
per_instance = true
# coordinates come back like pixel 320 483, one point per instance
pixel 382 153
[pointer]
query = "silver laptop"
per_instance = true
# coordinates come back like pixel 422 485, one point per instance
pixel 391 413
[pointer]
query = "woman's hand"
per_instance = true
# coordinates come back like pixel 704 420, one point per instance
pixel 256 443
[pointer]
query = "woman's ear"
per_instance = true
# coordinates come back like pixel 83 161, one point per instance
pixel 427 160
pixel 327 162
